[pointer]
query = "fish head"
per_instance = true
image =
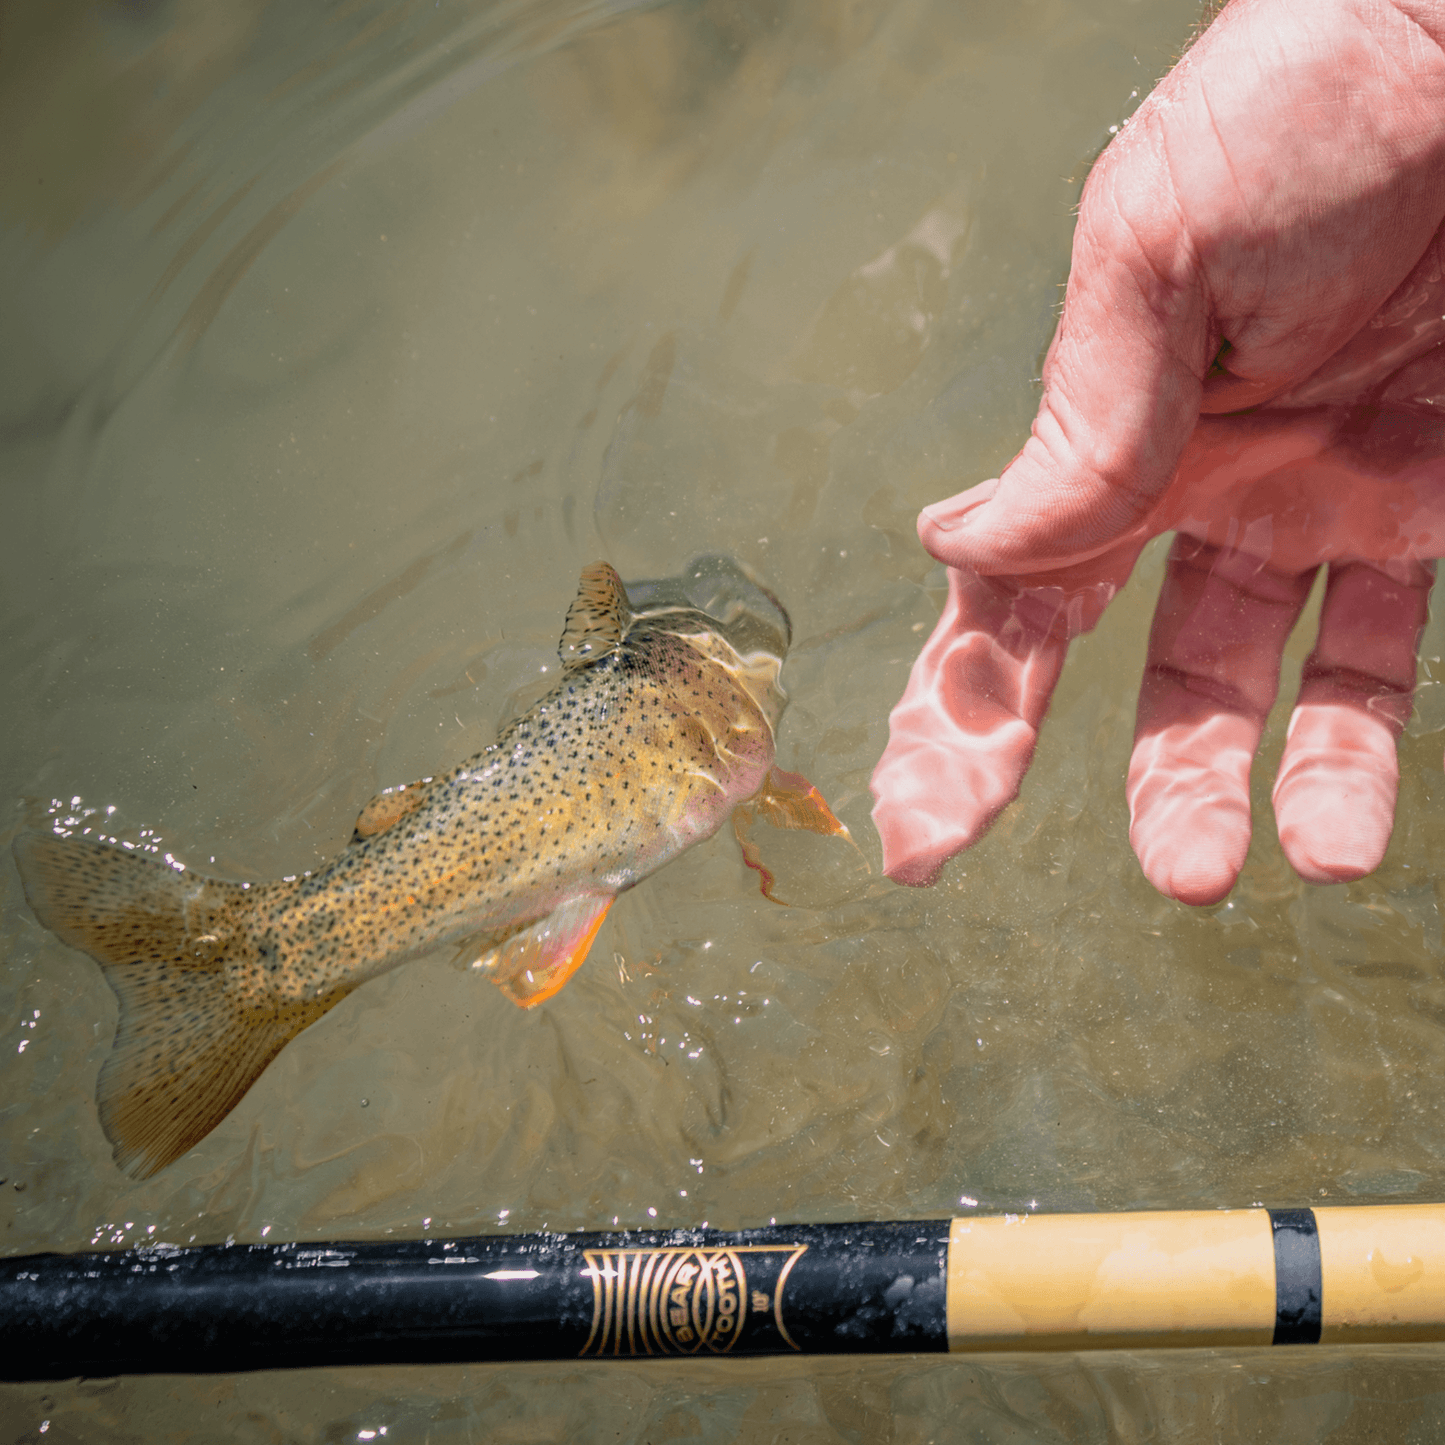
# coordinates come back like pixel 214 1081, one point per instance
pixel 728 615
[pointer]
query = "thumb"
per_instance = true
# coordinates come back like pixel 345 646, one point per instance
pixel 1274 189
pixel 1122 389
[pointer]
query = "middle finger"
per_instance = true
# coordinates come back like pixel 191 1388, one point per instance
pixel 1210 679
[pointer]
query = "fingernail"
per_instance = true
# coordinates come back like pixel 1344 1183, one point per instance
pixel 941 522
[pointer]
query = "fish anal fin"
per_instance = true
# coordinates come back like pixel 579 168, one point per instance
pixel 532 964
pixel 189 1043
pixel 597 618
pixel 389 807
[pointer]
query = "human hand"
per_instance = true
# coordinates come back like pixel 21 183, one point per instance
pixel 1276 204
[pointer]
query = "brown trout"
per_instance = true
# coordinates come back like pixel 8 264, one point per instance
pixel 662 724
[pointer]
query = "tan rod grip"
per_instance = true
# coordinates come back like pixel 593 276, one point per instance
pixel 1384 1272
pixel 1196 1277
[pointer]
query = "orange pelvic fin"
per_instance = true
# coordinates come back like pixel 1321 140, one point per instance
pixel 786 800
pixel 533 964
pixel 189 1043
pixel 389 807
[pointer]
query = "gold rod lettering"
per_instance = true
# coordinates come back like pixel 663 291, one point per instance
pixel 798 1252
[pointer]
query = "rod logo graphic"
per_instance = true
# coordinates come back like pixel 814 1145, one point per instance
pixel 687 1301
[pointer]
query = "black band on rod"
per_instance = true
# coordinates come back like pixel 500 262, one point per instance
pixel 1298 1278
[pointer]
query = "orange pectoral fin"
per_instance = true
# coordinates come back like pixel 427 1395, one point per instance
pixel 789 800
pixel 532 965
pixel 743 816
pixel 786 800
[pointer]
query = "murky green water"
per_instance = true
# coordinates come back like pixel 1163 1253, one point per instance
pixel 338 338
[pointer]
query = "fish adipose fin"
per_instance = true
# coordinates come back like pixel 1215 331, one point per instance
pixel 388 808
pixel 786 800
pixel 597 618
pixel 531 965
pixel 189 1043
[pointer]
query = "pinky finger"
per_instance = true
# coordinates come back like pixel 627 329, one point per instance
pixel 1334 799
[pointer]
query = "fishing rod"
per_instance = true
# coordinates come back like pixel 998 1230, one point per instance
pixel 1366 1274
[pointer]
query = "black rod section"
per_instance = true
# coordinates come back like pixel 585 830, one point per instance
pixel 814 1288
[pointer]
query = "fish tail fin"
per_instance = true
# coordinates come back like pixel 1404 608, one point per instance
pixel 189 1042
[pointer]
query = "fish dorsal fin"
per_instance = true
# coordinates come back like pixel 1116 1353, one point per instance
pixel 597 618
pixel 532 964
pixel 388 808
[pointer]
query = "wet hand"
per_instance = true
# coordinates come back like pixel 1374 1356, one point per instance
pixel 1252 354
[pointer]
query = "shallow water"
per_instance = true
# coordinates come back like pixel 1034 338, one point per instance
pixel 339 340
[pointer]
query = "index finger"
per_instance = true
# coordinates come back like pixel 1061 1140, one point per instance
pixel 963 734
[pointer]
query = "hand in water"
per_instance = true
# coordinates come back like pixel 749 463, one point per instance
pixel 1252 354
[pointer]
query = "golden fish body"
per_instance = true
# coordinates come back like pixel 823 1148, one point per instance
pixel 642 749
pixel 662 723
